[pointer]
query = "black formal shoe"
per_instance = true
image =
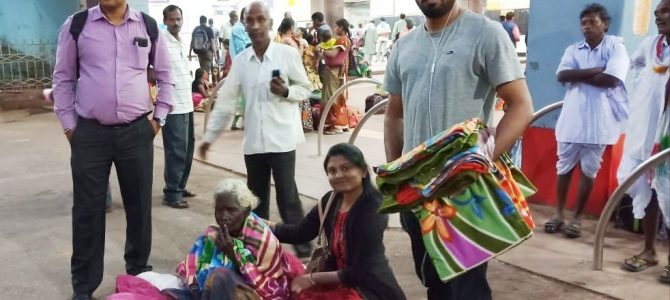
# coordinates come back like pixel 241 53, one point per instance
pixel 187 194
pixel 81 297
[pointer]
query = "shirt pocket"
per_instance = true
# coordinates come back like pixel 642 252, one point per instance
pixel 141 56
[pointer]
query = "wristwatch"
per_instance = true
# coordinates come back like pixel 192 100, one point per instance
pixel 161 122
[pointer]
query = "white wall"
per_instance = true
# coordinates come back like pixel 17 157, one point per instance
pixel 395 7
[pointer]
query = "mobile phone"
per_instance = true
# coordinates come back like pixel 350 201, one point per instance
pixel 141 42
pixel 275 73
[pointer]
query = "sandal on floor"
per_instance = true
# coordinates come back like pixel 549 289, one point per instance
pixel 573 231
pixel 637 264
pixel 187 194
pixel 179 204
pixel 554 225
pixel 665 278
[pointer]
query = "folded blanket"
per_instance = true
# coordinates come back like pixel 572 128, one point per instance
pixel 470 209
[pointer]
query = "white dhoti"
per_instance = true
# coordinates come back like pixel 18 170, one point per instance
pixel 589 157
pixel 661 180
pixel 662 186
pixel 640 191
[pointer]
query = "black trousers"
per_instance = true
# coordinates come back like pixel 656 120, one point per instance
pixel 94 149
pixel 472 285
pixel 179 144
pixel 282 168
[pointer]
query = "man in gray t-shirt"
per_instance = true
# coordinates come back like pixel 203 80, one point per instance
pixel 442 74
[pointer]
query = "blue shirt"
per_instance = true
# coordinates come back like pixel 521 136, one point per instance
pixel 239 40
pixel 591 114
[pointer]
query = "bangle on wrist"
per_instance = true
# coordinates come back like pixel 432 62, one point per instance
pixel 311 280
pixel 67 130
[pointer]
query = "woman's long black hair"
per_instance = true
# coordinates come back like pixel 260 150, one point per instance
pixel 198 74
pixel 345 26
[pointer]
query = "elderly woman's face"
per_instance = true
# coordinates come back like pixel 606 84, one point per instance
pixel 229 213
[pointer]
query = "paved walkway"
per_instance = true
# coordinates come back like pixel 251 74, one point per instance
pixel 35 218
pixel 554 257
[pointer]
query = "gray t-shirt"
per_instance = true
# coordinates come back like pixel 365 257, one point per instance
pixel 475 56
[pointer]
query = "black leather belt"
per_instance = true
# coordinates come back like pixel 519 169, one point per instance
pixel 96 122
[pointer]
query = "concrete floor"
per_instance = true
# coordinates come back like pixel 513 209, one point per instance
pixel 36 233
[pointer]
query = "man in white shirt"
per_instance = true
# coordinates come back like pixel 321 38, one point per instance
pixel 370 38
pixel 226 31
pixel 272 125
pixel 595 105
pixel 398 27
pixel 178 133
pixel 383 32
pixel 650 65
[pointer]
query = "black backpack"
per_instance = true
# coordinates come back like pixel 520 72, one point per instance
pixel 200 40
pixel 79 20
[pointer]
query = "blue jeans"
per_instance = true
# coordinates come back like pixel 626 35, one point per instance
pixel 472 285
pixel 179 144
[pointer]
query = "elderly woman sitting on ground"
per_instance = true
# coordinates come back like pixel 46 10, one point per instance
pixel 240 258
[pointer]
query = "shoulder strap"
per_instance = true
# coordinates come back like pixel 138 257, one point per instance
pixel 323 213
pixel 152 31
pixel 78 22
pixel 76 27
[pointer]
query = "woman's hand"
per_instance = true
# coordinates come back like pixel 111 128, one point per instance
pixel 301 283
pixel 225 243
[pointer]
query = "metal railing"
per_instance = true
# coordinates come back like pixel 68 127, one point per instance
pixel 373 110
pixel 329 104
pixel 613 203
pixel 381 104
pixel 27 68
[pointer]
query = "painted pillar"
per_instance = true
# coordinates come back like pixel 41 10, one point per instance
pixel 332 10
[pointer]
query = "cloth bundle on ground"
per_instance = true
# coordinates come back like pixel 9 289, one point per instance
pixel 470 208
pixel 130 287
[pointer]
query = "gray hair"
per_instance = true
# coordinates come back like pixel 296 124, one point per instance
pixel 238 190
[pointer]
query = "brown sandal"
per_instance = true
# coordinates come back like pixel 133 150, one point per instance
pixel 637 264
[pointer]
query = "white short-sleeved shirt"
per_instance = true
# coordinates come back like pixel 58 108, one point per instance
pixel 590 114
pixel 182 101
pixel 383 30
pixel 272 123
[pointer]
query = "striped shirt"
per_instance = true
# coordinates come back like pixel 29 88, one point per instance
pixel 182 101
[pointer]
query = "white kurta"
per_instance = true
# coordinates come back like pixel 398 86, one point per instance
pixel 647 100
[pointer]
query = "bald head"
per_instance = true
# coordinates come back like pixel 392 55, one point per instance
pixel 265 10
pixel 257 23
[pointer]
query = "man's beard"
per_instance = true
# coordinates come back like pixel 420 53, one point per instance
pixel 435 11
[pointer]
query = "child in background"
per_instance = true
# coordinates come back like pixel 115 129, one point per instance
pixel 327 41
pixel 200 87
